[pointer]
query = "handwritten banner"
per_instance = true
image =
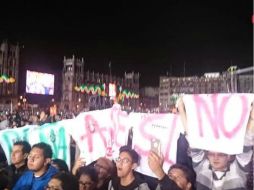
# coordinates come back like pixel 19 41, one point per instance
pixel 217 122
pixel 164 127
pixel 100 133
pixel 53 134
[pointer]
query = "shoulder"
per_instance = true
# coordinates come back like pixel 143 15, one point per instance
pixel 141 183
pixel 25 179
pixel 52 170
pixel 27 173
pixel 143 186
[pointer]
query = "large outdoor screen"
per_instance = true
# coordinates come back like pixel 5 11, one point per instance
pixel 39 83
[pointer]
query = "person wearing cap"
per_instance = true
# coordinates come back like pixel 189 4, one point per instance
pixel 126 179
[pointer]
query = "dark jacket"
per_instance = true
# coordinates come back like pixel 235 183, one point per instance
pixel 167 184
pixel 13 174
pixel 137 184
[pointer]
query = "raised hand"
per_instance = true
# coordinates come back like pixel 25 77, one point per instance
pixel 155 163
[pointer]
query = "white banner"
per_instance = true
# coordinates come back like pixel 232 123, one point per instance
pixel 163 127
pixel 100 133
pixel 52 134
pixel 217 122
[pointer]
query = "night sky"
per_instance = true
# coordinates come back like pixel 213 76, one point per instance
pixel 152 38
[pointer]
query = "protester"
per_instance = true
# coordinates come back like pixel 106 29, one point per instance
pixel 170 181
pixel 40 170
pixel 104 168
pixel 18 165
pixel 62 181
pixel 126 179
pixel 102 165
pixel 182 176
pixel 216 170
pixel 88 178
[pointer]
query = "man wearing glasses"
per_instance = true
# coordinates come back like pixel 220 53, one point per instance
pixel 126 179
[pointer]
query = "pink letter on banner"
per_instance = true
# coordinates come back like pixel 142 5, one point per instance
pixel 91 131
pixel 217 121
pixel 165 127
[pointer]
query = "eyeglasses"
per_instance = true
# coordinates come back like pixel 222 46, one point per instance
pixel 122 160
pixel 52 188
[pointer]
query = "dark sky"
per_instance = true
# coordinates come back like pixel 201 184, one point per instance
pixel 151 38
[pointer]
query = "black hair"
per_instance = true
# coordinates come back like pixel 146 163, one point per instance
pixel 134 155
pixel 47 151
pixel 26 147
pixel 68 181
pixel 90 171
pixel 61 164
pixel 189 174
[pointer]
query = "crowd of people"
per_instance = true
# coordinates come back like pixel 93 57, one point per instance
pixel 17 119
pixel 32 168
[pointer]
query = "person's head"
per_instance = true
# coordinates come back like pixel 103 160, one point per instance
pixel 127 161
pixel 60 165
pixel 104 168
pixel 44 115
pixel 20 153
pixel 182 176
pixel 88 178
pixel 62 181
pixel 218 161
pixel 39 158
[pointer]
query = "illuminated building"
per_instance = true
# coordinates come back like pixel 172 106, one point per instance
pixel 85 90
pixel 9 69
pixel 72 75
pixel 236 81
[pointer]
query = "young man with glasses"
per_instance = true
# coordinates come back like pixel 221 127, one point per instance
pixel 40 171
pixel 126 179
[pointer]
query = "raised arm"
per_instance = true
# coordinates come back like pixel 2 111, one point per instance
pixel 155 163
pixel 183 116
